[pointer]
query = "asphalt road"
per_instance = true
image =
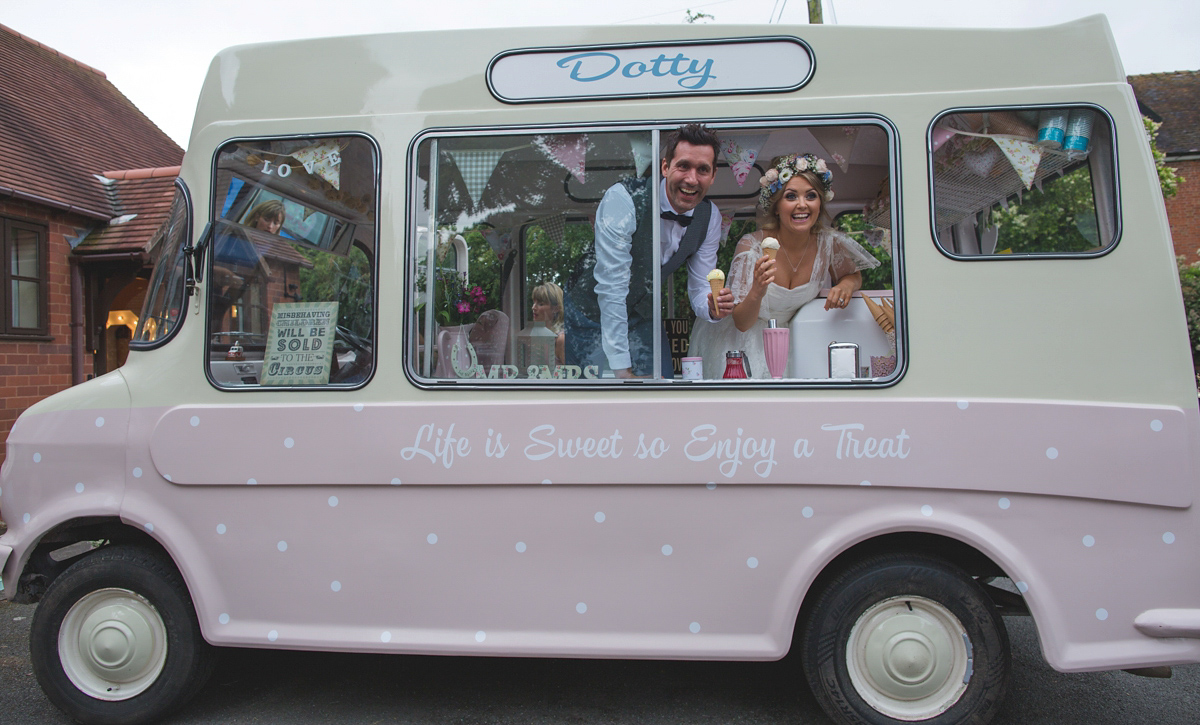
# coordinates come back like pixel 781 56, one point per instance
pixel 255 686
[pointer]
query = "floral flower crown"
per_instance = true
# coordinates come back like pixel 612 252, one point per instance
pixel 789 166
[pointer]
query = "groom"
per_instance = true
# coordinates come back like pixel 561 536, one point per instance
pixel 611 301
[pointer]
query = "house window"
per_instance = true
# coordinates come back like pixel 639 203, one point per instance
pixel 24 301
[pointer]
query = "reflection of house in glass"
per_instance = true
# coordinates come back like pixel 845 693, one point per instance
pixel 252 270
pixel 295 222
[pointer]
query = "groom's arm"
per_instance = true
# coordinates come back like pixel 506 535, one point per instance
pixel 616 221
pixel 700 264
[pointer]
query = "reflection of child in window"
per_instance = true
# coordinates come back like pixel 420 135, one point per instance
pixel 548 308
pixel 267 216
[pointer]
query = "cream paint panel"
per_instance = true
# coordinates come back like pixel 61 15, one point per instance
pixel 1120 453
pixel 387 74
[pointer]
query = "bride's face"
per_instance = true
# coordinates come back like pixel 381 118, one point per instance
pixel 799 206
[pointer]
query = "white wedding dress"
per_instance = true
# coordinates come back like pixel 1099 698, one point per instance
pixel 837 256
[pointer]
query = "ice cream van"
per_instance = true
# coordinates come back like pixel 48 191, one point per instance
pixel 350 419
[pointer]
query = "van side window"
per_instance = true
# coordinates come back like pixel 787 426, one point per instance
pixel 291 279
pixel 518 241
pixel 1024 182
pixel 166 295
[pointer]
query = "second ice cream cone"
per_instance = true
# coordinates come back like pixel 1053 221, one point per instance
pixel 880 315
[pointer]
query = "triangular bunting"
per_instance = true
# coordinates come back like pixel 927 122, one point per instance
pixel 500 242
pixel 1024 157
pixel 838 141
pixel 640 145
pixel 476 167
pixel 568 150
pixel 324 160
pixel 555 226
pixel 726 223
pixel 740 152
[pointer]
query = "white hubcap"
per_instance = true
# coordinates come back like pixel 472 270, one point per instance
pixel 112 644
pixel 909 658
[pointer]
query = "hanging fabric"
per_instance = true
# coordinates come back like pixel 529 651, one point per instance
pixel 568 150
pixel 740 152
pixel 838 141
pixel 324 160
pixel 476 167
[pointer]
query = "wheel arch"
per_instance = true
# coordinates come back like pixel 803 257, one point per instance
pixel 62 544
pixel 967 543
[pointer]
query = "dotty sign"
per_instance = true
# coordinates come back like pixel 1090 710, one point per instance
pixel 711 67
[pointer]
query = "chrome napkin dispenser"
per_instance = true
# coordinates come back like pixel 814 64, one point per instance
pixel 843 360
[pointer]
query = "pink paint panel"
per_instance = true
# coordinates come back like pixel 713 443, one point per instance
pixel 1115 452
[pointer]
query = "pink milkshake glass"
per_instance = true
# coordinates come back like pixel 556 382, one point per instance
pixel 775 345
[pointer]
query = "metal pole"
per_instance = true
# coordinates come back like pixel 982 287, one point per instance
pixel 430 336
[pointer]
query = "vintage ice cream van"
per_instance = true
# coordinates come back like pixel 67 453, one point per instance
pixel 366 408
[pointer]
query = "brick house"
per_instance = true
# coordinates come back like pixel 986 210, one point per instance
pixel 76 224
pixel 1173 99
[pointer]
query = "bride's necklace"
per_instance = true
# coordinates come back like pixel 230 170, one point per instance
pixel 796 267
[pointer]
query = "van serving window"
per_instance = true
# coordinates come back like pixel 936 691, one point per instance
pixel 552 258
pixel 1022 182
pixel 291 277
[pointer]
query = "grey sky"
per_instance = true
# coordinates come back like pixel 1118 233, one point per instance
pixel 157 52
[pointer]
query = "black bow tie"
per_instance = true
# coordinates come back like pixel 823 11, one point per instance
pixel 679 219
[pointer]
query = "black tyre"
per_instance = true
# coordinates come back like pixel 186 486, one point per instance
pixel 115 640
pixel 905 638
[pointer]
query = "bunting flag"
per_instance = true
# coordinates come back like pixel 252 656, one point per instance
pixel 726 223
pixel 740 152
pixel 980 163
pixel 555 226
pixel 500 242
pixel 1025 157
pixel 838 141
pixel 476 167
pixel 324 160
pixel 568 150
pixel 642 156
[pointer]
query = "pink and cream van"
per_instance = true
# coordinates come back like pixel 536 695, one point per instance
pixel 346 423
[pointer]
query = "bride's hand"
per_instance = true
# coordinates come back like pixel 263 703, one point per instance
pixel 764 275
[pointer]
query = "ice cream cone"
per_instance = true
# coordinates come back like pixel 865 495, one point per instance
pixel 890 309
pixel 880 315
pixel 770 247
pixel 716 281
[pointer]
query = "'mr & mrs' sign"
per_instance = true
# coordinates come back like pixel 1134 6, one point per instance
pixel 764 65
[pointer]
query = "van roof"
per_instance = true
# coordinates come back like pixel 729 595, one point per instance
pixel 444 71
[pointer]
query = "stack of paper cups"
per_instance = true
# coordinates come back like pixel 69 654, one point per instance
pixel 1052 127
pixel 1079 131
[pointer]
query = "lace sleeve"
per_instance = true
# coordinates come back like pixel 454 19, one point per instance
pixel 847 256
pixel 741 270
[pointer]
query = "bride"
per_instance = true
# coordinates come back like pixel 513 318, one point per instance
pixel 791 208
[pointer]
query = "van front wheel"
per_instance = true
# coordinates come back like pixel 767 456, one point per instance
pixel 115 640
pixel 902 639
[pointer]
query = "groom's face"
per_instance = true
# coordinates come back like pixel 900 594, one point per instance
pixel 688 173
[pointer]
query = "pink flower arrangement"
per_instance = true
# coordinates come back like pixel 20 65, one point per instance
pixel 461 303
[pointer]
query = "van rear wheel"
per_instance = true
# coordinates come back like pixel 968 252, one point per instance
pixel 115 639
pixel 905 638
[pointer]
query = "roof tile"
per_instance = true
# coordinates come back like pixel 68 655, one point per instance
pixel 1175 97
pixel 63 122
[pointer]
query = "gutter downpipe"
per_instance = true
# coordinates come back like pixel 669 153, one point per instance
pixel 76 321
